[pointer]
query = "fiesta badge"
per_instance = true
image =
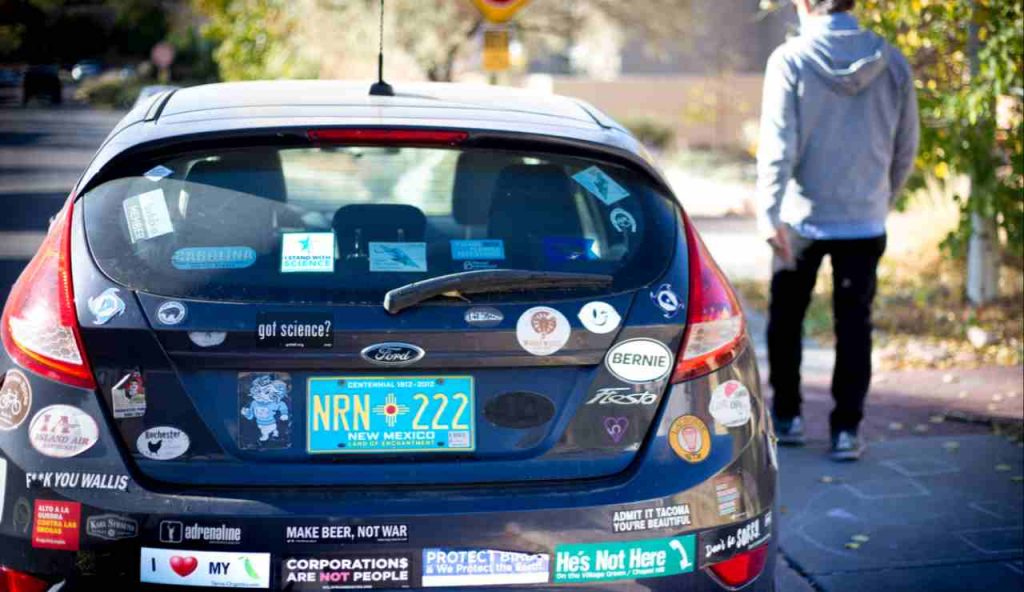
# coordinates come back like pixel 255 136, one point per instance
pixel 392 354
pixel 690 438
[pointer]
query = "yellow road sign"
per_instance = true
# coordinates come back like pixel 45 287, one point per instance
pixel 496 54
pixel 499 11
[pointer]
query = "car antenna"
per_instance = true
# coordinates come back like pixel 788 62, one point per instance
pixel 381 88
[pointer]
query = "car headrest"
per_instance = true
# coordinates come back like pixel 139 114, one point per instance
pixel 476 174
pixel 256 172
pixel 377 222
pixel 531 202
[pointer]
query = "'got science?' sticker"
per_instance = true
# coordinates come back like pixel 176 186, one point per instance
pixel 264 410
pixel 192 258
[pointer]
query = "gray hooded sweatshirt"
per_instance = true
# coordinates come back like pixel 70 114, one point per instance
pixel 839 131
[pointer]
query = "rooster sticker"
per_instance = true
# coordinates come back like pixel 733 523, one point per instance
pixel 264 409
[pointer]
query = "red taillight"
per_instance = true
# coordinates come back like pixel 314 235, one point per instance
pixel 39 326
pixel 743 568
pixel 397 137
pixel 714 321
pixel 15 581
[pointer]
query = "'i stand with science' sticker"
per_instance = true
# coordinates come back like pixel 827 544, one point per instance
pixel 307 252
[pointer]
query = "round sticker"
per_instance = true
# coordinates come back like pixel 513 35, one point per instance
pixel 15 399
pixel 730 404
pixel 162 443
pixel 690 438
pixel 207 338
pixel 171 312
pixel 667 300
pixel 599 317
pixel 622 220
pixel 542 331
pixel 62 431
pixel 639 361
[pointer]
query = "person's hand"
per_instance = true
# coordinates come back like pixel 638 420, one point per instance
pixel 782 246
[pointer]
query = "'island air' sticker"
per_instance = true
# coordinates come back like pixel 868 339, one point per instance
pixel 213 258
pixel 129 396
pixel 307 252
pixel 400 257
pixel 158 172
pixel 568 248
pixel 470 250
pixel 264 410
pixel 147 216
pixel 603 187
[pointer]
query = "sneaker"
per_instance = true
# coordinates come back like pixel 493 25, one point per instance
pixel 790 432
pixel 846 446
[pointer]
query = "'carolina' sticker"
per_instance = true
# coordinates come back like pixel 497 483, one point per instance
pixel 264 410
pixel 62 431
pixel 542 331
pixel 730 404
pixel 15 399
pixel 639 361
pixel 162 443
pixel 599 317
pixel 690 438
pixel 129 396
pixel 600 185
pixel 191 258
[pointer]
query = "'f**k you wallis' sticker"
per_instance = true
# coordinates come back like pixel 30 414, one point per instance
pixel 542 331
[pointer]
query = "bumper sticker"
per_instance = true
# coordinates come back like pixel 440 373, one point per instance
pixel 307 252
pixel 162 443
pixel 62 431
pixel 639 361
pixel 129 396
pixel 294 330
pixel 482 567
pixel 333 534
pixel 726 542
pixel 605 562
pixel 264 410
pixel 176 567
pixel 56 525
pixel 730 404
pixel 690 438
pixel 398 257
pixel 727 494
pixel 15 400
pixel 542 331
pixel 69 480
pixel 651 518
pixel 111 527
pixel 193 258
pixel 348 570
pixel 147 216
pixel 105 306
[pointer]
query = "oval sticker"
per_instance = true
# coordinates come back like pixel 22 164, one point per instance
pixel 162 443
pixel 639 361
pixel 542 330
pixel 62 431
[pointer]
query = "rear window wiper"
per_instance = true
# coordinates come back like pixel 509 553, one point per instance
pixel 483 281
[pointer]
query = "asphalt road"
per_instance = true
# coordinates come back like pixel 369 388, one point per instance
pixel 43 150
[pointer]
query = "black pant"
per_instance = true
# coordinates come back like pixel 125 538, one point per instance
pixel 854 279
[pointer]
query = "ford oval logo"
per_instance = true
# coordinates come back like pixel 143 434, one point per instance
pixel 392 354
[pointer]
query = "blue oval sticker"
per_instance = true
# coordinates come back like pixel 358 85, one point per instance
pixel 213 258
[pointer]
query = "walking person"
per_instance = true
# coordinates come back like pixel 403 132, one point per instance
pixel 839 133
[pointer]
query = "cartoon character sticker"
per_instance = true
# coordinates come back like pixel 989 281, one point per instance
pixel 129 396
pixel 264 410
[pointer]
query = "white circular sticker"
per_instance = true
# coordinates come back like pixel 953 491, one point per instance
pixel 542 331
pixel 730 404
pixel 171 312
pixel 207 338
pixel 62 431
pixel 639 361
pixel 599 317
pixel 162 443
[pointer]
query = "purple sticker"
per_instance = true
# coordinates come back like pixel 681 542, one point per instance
pixel 616 427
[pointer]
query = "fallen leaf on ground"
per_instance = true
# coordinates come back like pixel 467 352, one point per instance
pixel 1003 467
pixel 853 545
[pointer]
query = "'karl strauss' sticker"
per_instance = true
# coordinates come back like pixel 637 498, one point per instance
pixel 162 443
pixel 15 399
pixel 62 431
pixel 730 404
pixel 542 331
pixel 639 361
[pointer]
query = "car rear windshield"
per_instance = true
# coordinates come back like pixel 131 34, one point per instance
pixel 347 224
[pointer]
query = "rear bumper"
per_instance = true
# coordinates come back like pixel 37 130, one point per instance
pixel 107 533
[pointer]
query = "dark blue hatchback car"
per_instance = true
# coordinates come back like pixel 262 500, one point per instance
pixel 287 335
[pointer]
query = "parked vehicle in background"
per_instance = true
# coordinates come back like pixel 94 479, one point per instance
pixel 42 81
pixel 286 335
pixel 86 69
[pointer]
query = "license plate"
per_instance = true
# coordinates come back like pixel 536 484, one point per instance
pixel 390 414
